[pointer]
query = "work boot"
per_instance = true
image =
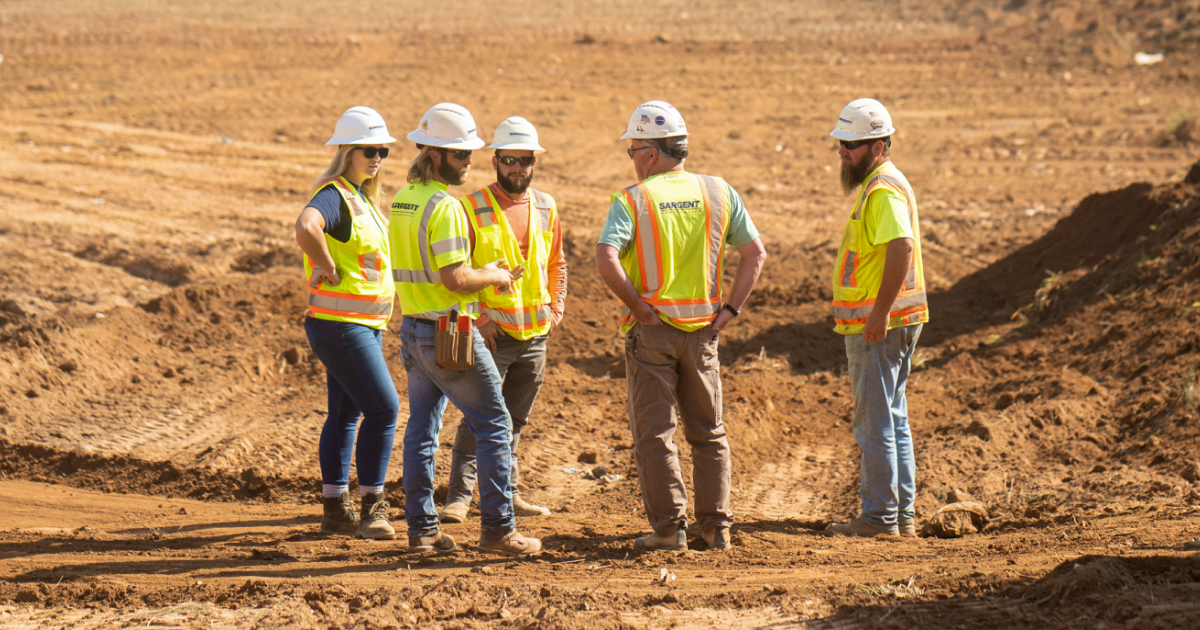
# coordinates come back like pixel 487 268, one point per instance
pixel 340 516
pixel 522 508
pixel 674 541
pixel 717 538
pixel 859 527
pixel 374 522
pixel 438 542
pixel 454 512
pixel 908 529
pixel 510 544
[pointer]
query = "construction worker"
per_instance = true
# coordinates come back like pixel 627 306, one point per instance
pixel 434 277
pixel 517 225
pixel 879 306
pixel 660 251
pixel 344 237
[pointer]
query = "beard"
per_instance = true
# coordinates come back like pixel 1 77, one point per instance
pixel 514 185
pixel 451 175
pixel 854 173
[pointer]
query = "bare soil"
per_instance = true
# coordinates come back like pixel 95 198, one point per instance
pixel 160 409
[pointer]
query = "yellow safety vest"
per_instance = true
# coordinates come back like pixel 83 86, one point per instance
pixel 524 312
pixel 364 295
pixel 680 224
pixel 858 269
pixel 414 270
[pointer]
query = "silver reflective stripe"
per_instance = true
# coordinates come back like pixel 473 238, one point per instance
pixel 415 276
pixel 371 267
pixel 716 203
pixel 861 312
pixel 677 311
pixel 470 308
pixel 448 245
pixel 483 210
pixel 422 231
pixel 356 204
pixel 512 319
pixel 645 237
pixel 543 204
pixel 349 306
pixel 848 268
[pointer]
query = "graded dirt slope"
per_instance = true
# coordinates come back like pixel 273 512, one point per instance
pixel 160 409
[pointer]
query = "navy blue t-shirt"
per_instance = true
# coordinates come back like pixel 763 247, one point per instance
pixel 330 204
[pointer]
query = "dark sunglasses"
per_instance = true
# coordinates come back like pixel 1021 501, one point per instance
pixel 458 155
pixel 851 145
pixel 509 160
pixel 371 152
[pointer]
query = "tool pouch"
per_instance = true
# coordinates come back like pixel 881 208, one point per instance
pixel 454 343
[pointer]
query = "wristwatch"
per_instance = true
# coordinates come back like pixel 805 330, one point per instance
pixel 727 307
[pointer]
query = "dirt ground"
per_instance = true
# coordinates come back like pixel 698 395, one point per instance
pixel 160 409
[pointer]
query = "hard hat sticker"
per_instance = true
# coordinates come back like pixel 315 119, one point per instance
pixel 660 121
pixel 646 118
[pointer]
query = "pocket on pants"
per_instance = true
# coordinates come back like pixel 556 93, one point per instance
pixel 646 391
pixel 706 354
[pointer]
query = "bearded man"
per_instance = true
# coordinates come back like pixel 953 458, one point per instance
pixel 879 305
pixel 516 226
pixel 434 277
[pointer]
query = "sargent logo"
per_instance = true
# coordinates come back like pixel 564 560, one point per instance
pixel 848 122
pixel 679 205
pixel 404 207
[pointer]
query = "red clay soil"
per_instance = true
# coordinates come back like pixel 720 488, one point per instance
pixel 160 408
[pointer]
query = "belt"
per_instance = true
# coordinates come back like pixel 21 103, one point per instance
pixel 420 322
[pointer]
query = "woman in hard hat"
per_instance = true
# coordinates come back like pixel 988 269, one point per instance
pixel 347 260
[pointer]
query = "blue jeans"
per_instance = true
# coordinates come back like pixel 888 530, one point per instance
pixel 359 385
pixel 878 373
pixel 477 394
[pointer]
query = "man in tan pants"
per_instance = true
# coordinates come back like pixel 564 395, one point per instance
pixel 660 251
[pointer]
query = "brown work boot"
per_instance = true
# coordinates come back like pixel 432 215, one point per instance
pixel 674 541
pixel 340 517
pixel 908 529
pixel 454 512
pixel 374 521
pixel 859 527
pixel 510 544
pixel 439 542
pixel 522 508
pixel 717 538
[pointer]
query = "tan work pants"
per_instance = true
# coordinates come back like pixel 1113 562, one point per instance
pixel 674 380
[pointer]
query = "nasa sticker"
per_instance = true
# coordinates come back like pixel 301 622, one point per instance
pixel 660 121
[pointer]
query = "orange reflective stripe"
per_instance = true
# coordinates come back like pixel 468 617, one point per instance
pixel 652 210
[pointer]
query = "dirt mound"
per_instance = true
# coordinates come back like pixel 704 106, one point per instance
pixel 1104 33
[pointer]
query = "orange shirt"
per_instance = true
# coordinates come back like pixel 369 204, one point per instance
pixel 516 211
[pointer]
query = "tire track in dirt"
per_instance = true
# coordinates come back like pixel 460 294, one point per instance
pixel 788 488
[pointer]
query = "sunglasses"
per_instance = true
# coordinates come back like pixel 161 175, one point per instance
pixel 633 151
pixel 458 155
pixel 851 145
pixel 509 160
pixel 371 152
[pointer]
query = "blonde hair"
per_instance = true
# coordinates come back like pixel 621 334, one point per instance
pixel 341 161
pixel 422 168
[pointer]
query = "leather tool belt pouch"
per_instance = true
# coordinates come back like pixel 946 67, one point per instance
pixel 454 343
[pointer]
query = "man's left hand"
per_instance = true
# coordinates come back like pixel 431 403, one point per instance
pixel 722 320
pixel 876 326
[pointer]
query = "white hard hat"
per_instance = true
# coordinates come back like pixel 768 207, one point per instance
pixel 863 119
pixel 655 119
pixel 448 126
pixel 516 134
pixel 360 125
